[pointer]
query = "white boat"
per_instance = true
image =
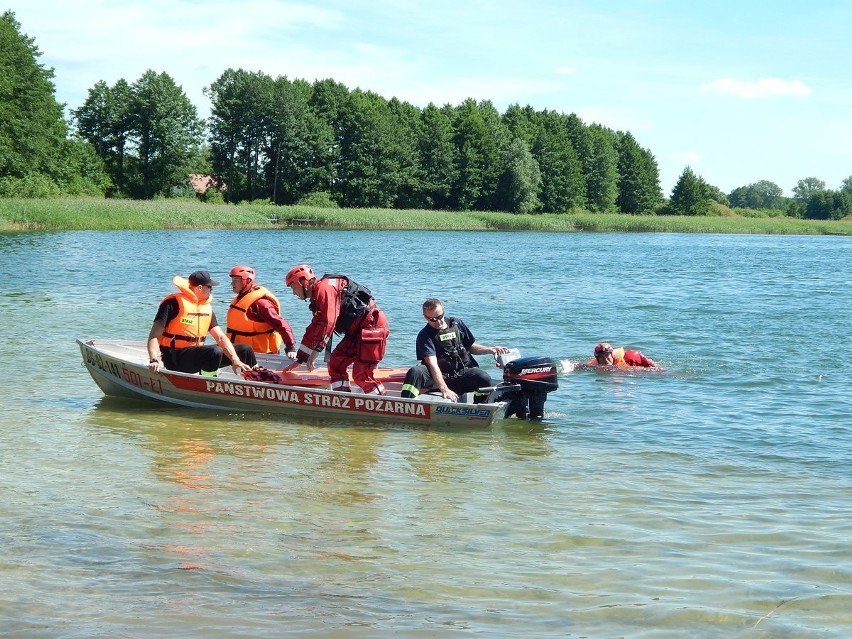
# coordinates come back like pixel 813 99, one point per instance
pixel 120 368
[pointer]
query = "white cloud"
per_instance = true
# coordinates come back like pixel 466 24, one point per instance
pixel 763 88
pixel 566 71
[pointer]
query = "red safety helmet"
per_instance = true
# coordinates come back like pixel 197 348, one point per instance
pixel 603 348
pixel 245 273
pixel 298 274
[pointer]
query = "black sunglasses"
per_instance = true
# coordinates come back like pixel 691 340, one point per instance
pixel 434 319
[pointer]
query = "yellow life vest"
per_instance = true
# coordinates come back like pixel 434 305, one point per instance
pixel 241 330
pixel 190 326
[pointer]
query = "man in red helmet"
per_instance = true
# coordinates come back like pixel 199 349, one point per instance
pixel 341 305
pixel 606 355
pixel 254 316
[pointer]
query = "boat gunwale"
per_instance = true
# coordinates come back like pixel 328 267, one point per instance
pixel 459 414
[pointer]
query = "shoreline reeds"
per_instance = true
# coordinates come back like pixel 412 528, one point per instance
pixel 93 214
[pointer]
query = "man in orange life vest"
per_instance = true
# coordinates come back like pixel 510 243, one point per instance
pixel 606 355
pixel 183 320
pixel 254 317
pixel 341 305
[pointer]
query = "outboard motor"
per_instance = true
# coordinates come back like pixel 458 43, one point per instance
pixel 526 383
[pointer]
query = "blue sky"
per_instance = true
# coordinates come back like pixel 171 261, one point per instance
pixel 740 91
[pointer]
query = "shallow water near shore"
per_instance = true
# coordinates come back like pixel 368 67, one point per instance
pixel 709 500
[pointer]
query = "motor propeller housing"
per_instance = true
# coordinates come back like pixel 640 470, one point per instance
pixel 526 383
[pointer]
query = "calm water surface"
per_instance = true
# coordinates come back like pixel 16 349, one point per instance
pixel 712 500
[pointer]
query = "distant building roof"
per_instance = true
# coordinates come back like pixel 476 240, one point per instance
pixel 201 182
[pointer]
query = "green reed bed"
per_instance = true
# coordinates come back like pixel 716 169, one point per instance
pixel 99 214
pixel 412 219
pixel 709 224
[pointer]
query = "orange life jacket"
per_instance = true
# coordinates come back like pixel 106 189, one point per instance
pixel 190 326
pixel 241 330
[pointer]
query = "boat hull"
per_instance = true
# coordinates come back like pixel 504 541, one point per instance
pixel 120 369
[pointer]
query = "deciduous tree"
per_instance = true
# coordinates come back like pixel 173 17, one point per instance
pixel 807 187
pixel 166 131
pixel 298 158
pixel 104 121
pixel 34 148
pixel 828 205
pixel 521 180
pixel 762 194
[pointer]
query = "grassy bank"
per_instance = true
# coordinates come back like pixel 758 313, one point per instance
pixel 98 214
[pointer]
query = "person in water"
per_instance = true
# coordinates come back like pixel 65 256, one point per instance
pixel 606 355
pixel 182 323
pixel 341 305
pixel 254 317
pixel 445 347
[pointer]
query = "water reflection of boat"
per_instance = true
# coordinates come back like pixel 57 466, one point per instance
pixel 119 368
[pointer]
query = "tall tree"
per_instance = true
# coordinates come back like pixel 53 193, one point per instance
pixel 370 154
pixel 563 186
pixel 474 149
pixel 32 128
pixel 147 134
pixel 436 172
pixel 328 101
pixel 403 136
pixel 638 177
pixel 495 155
pixel 167 133
pixel 104 121
pixel 522 122
pixel 298 162
pixel 240 132
pixel 601 170
pixel 690 195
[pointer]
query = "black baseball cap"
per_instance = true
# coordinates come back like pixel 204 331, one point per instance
pixel 202 277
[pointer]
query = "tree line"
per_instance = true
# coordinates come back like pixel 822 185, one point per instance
pixel 290 141
pixel 287 140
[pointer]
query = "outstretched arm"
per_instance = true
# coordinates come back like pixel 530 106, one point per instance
pixel 480 349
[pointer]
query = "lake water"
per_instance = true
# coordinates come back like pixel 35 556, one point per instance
pixel 713 500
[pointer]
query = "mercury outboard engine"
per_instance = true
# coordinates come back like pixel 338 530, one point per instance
pixel 526 383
